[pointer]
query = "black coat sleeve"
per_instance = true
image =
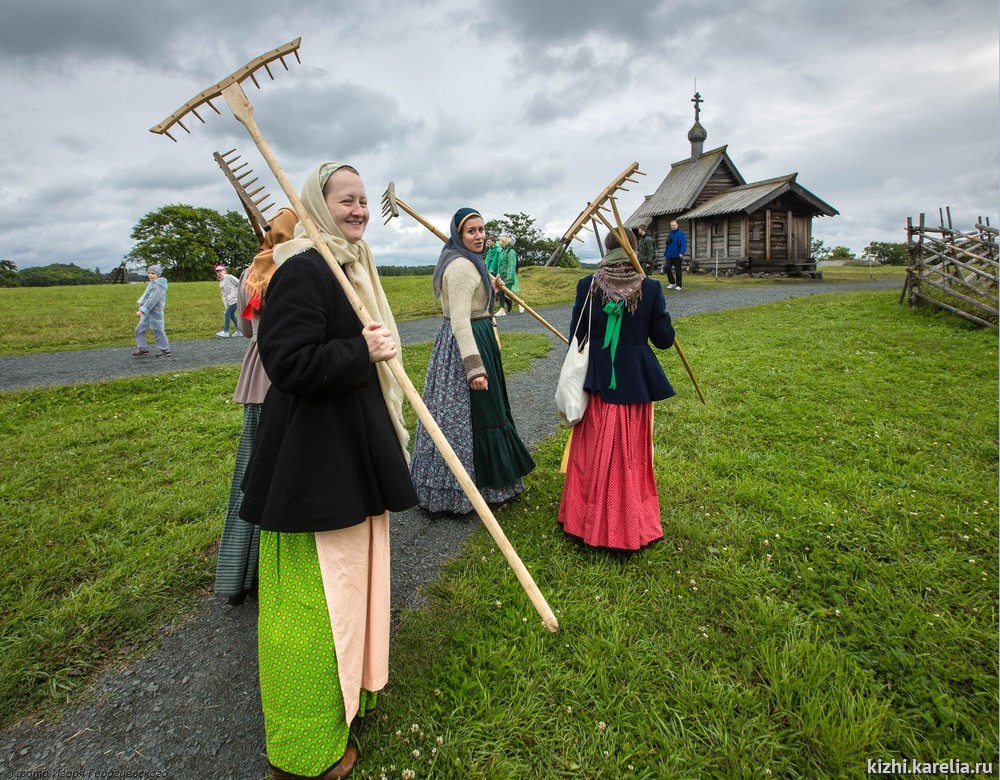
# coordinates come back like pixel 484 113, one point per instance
pixel 309 337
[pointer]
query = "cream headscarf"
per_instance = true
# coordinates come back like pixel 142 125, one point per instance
pixel 359 267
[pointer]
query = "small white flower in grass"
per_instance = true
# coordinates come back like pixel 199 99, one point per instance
pixel 694 588
pixel 434 751
pixel 416 754
pixel 601 725
pixel 767 542
pixel 972 561
pixel 777 536
pixel 440 740
pixel 484 559
pixel 630 768
pixel 524 620
pixel 498 603
pixel 415 728
pixel 606 754
pixel 809 568
pixel 437 691
pixel 409 774
pixel 569 710
pixel 399 733
pixel 768 557
pixel 836 612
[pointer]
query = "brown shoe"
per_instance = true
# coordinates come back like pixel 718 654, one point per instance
pixel 338 771
pixel 343 767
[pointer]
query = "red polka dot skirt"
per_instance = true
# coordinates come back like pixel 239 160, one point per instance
pixel 609 497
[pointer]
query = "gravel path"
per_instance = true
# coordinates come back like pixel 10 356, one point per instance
pixel 191 707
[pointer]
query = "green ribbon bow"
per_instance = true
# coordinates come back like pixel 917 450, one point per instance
pixel 614 311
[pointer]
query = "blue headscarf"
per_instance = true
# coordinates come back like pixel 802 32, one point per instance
pixel 455 248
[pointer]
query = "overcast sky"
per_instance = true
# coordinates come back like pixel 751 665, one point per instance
pixel 884 109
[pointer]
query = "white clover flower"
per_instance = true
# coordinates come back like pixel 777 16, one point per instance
pixel 601 725
pixel 416 754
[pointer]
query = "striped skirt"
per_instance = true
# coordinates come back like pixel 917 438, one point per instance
pixel 236 567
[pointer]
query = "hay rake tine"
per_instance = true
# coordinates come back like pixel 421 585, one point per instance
pixel 230 89
pixel 251 205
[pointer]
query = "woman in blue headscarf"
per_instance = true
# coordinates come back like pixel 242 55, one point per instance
pixel 465 389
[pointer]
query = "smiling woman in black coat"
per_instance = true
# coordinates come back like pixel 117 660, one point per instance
pixel 328 466
pixel 609 497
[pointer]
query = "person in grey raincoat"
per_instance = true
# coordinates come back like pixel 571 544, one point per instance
pixel 150 314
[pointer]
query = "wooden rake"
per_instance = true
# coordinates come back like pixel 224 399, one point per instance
pixel 390 208
pixel 253 205
pixel 593 209
pixel 230 90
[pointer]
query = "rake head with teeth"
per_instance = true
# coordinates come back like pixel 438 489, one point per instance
pixel 253 205
pixel 390 207
pixel 213 92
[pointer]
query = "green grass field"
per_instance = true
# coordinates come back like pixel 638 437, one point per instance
pixel 826 591
pixel 49 319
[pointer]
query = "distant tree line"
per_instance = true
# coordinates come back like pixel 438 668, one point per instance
pixel 880 252
pixel 405 270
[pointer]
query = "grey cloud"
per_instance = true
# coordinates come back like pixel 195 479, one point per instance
pixel 338 120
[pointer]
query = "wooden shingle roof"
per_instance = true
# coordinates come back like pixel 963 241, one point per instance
pixel 751 197
pixel 682 185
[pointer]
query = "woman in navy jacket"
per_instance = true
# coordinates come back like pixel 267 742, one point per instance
pixel 609 498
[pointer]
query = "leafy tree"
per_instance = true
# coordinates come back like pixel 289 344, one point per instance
pixel 841 253
pixel 189 241
pixel 527 237
pixel 568 259
pixel 819 251
pixel 885 253
pixel 57 274
pixel 8 274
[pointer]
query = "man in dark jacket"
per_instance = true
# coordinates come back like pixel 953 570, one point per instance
pixel 647 250
pixel 673 255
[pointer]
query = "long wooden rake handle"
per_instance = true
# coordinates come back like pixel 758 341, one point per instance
pixel 243 111
pixel 390 200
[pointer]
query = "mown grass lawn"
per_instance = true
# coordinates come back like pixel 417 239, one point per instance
pixel 49 319
pixel 826 591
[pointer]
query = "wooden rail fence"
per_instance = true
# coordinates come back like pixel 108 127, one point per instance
pixel 953 270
